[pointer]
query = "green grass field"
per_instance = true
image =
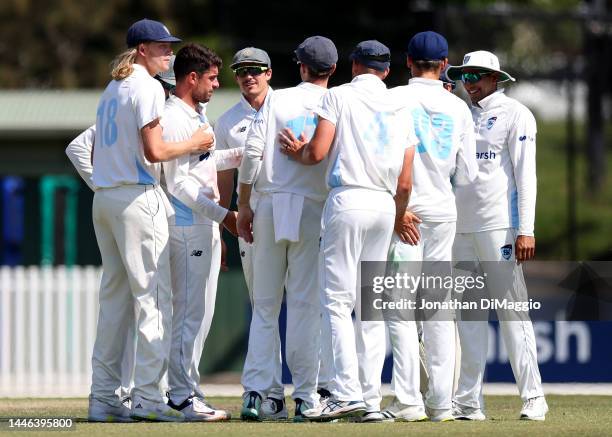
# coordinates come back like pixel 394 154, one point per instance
pixel 568 416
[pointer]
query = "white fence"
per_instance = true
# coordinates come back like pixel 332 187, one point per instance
pixel 48 319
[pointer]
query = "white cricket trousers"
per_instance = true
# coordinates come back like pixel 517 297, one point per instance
pixel 195 259
pixel 438 335
pixel 357 226
pixel 504 278
pixel 291 265
pixel 132 232
pixel 277 390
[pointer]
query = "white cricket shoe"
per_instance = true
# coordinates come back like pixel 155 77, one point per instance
pixel 155 411
pixel 331 409
pixel 396 411
pixel 463 412
pixel 439 415
pixel 273 409
pixel 534 409
pixel 369 417
pixel 102 412
pixel 196 409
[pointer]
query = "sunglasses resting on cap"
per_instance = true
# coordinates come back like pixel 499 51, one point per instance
pixel 251 70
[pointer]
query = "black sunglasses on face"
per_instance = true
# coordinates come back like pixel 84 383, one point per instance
pixel 250 71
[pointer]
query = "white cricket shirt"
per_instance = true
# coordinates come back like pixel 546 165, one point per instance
pixel 232 128
pixel 446 151
pixel 373 130
pixel 291 108
pixel 504 192
pixel 126 106
pixel 191 179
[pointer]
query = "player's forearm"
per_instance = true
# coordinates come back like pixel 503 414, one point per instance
pixel 244 195
pixel 190 193
pixel 161 151
pixel 229 158
pixel 225 182
pixel 310 156
pixel 404 182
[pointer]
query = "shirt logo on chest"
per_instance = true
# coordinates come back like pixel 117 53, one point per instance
pixel 490 122
pixel 242 129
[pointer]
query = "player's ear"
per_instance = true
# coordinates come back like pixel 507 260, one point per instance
pixel 141 48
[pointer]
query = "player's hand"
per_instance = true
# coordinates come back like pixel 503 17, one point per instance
pixel 245 223
pixel 290 145
pixel 407 228
pixel 230 222
pixel 203 139
pixel 224 267
pixel 525 248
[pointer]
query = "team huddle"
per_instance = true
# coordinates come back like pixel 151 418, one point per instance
pixel 327 178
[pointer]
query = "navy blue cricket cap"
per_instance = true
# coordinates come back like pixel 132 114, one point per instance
pixel 318 52
pixel 148 30
pixel 372 54
pixel 428 46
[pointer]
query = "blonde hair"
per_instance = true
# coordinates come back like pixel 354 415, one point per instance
pixel 122 65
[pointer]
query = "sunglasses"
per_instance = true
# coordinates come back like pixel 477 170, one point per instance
pixel 472 78
pixel 249 71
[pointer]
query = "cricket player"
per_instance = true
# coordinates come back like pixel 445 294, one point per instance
pixel 195 247
pixel 129 215
pixel 253 70
pixel 79 152
pixel 444 159
pixel 285 233
pixel 370 145
pixel 495 223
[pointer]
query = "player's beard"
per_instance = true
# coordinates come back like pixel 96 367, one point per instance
pixel 201 97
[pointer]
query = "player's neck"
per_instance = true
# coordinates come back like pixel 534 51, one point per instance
pixel 186 96
pixel 256 102
pixel 322 82
pixel 434 75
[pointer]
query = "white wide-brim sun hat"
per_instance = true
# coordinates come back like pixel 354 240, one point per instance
pixel 480 59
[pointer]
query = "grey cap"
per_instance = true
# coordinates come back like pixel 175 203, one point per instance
pixel 317 52
pixel 372 54
pixel 251 56
pixel 168 76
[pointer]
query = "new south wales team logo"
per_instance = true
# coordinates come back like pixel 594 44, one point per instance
pixel 490 122
pixel 506 251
